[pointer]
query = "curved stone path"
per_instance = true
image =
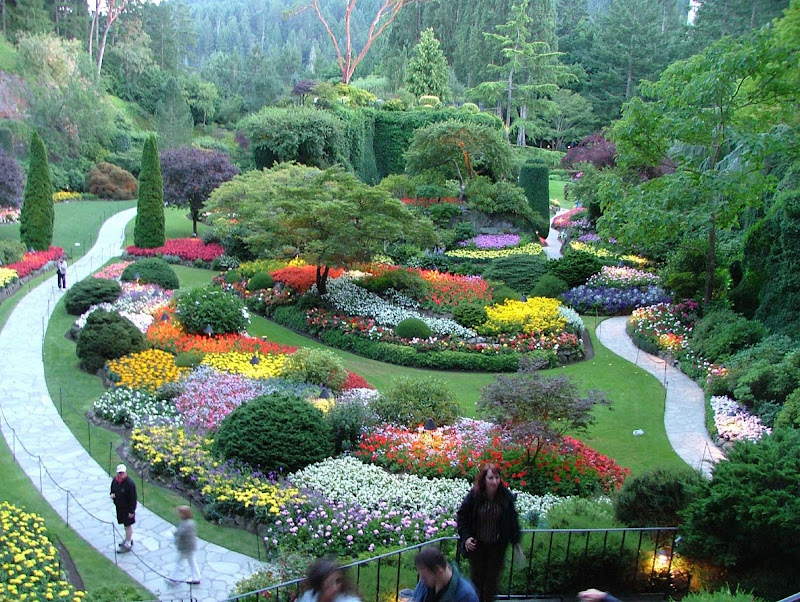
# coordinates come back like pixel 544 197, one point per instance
pixel 57 464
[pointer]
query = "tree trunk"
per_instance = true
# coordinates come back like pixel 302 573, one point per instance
pixel 322 279
pixel 101 49
pixel 629 83
pixel 711 261
pixel 95 16
pixel 3 8
pixel 523 113
pixel 508 101
pixel 195 217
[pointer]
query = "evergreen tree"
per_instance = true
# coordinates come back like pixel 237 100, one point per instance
pixel 149 229
pixel 37 215
pixel 426 73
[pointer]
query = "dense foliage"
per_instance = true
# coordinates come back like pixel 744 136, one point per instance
pixel 151 270
pixel 201 308
pixel 106 336
pixel 13 181
pixel 90 291
pixel 109 181
pixel 148 231
pixel 37 214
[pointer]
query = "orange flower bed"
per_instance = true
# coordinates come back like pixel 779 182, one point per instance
pixel 168 336
pixel 302 278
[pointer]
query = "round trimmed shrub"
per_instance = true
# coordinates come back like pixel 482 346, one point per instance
pixel 275 432
pixel 233 277
pixel 152 270
pixel 576 267
pixel 316 366
pixel 412 328
pixel 520 272
pixel 206 306
pixel 108 181
pixel 260 281
pixel 470 315
pixel 470 107
pixel 90 291
pixel 655 497
pixel 107 336
pixel 410 402
pixel 549 286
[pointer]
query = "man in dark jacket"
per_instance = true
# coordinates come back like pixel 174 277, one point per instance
pixel 439 581
pixel 123 492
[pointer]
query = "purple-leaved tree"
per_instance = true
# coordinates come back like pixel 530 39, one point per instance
pixel 12 181
pixel 594 149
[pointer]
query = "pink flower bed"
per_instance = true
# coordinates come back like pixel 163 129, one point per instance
pixel 187 249
pixel 564 220
pixel 113 271
pixel 35 261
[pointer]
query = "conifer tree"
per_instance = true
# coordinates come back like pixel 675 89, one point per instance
pixel 37 214
pixel 149 229
pixel 426 73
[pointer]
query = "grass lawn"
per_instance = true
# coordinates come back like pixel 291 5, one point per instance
pixel 557 192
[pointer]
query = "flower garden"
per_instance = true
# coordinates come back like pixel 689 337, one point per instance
pixel 29 263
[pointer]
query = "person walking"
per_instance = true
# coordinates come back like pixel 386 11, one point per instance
pixel 487 522
pixel 325 582
pixel 61 272
pixel 440 581
pixel 123 492
pixel 186 543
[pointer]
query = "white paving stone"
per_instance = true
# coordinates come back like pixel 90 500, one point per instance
pixel 28 409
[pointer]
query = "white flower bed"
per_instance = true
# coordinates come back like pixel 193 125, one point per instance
pixel 351 481
pixel 137 303
pixel 734 422
pixel 129 407
pixel 350 298
pixel 572 317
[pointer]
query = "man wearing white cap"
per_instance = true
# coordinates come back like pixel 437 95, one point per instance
pixel 123 492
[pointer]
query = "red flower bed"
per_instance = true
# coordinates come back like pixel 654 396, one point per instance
pixel 35 261
pixel 187 249
pixel 568 467
pixel 354 381
pixel 302 278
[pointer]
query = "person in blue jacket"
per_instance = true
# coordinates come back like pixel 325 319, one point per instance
pixel 440 581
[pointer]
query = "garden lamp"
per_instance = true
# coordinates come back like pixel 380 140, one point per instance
pixel 208 330
pixel 254 361
pixel 429 425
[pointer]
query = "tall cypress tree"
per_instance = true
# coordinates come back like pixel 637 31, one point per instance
pixel 37 214
pixel 149 229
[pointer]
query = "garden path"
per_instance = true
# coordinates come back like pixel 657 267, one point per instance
pixel 684 407
pixel 70 480
pixel 553 248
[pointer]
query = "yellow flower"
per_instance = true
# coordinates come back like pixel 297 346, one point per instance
pixel 529 249
pixel 538 314
pixel 235 362
pixel 146 370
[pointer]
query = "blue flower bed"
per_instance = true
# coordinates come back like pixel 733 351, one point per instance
pixel 610 301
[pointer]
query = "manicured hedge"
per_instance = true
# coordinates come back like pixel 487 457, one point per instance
pixel 535 181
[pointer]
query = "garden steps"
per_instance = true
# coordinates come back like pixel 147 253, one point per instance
pixel 28 409
pixel 684 407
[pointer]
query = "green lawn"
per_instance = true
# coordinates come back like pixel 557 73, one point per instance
pixel 557 192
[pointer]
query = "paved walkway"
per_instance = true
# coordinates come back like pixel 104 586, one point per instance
pixel 685 407
pixel 553 248
pixel 54 455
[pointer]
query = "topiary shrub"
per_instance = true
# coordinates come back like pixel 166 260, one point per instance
pixel 316 366
pixel 410 402
pixel 11 251
pixel 90 291
pixel 470 315
pixel 108 181
pixel 199 308
pixel 520 272
pixel 149 228
pixel 721 333
pixel 470 107
pixel 37 215
pixel 106 336
pixel 549 286
pixel 408 282
pixel 535 181
pixel 275 432
pixel 575 268
pixel 655 497
pixel 152 270
pixel 260 281
pixel 412 328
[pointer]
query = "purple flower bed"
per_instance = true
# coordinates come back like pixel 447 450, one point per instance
pixel 492 241
pixel 590 237
pixel 610 301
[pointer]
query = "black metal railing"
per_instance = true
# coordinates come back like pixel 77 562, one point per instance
pixel 557 562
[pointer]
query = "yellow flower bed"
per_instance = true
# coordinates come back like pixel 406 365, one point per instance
pixel 596 251
pixel 7 275
pixel 538 314
pixel 249 269
pixel 324 405
pixel 29 565
pixel 235 362
pixel 63 195
pixel 635 260
pixel 146 370
pixel 532 248
pixel 188 457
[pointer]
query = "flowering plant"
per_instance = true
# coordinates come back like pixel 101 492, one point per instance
pixel 564 220
pixel 734 422
pixel 35 260
pixel 537 314
pixel 7 276
pixel 492 241
pixel 112 271
pixel 9 215
pixel 532 248
pixel 301 278
pixel 65 195
pixel 188 249
pixel 130 407
pixel 252 365
pixel 146 370
pixel 612 300
pixel 623 277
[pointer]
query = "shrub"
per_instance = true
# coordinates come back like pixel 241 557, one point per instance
pixel 148 231
pixel 412 328
pixel 275 432
pixel 549 286
pixel 37 214
pixel 108 181
pixel 151 270
pixel 576 267
pixel 316 366
pixel 223 262
pixel 442 213
pixel 503 293
pixel 470 315
pixel 11 251
pixel 12 182
pixel 106 336
pixel 789 416
pixel 470 107
pixel 206 306
pixel 594 149
pixel 409 402
pixel 91 291
pixel 408 282
pixel 233 277
pixel 655 498
pixel 260 281
pixel 348 421
pixel 722 332
pixel 535 181
pixel 520 272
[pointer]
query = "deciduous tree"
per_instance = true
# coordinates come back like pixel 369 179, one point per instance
pixel 12 182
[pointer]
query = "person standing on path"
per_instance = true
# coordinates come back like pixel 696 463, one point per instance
pixel 487 522
pixel 186 543
pixel 123 492
pixel 61 271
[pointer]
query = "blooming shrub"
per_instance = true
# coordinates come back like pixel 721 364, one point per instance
pixel 187 458
pixel 666 326
pixel 354 381
pixel 734 422
pixel 623 277
pixel 35 260
pixel 567 468
pixel 29 564
pixel 130 407
pixel 593 249
pixel 492 241
pixel 564 221
pixel 236 362
pixel 538 314
pixel 112 271
pixel 188 249
pixel 146 370
pixel 611 301
pixel 302 278
pixel 485 254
